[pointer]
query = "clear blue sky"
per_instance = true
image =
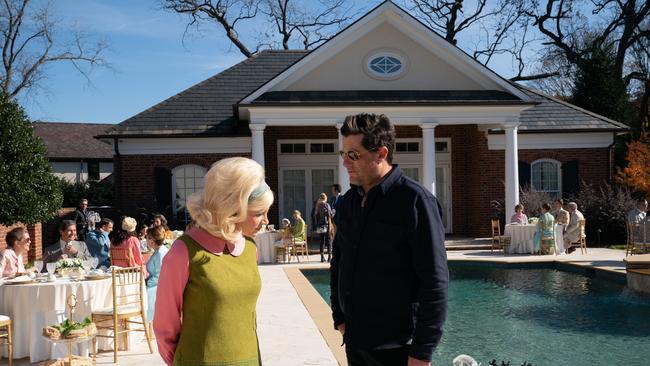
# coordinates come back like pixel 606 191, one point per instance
pixel 150 62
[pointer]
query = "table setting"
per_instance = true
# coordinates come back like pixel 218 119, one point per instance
pixel 36 300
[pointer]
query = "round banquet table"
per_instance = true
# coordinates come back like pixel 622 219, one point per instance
pixel 37 305
pixel 265 244
pixel 521 238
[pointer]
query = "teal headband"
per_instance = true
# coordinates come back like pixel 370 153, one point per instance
pixel 258 192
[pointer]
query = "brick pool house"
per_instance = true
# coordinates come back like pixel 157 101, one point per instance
pixel 463 131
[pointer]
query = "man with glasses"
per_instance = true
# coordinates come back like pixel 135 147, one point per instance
pixel 389 266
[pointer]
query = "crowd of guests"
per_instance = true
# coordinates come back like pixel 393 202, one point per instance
pixel 98 243
pixel 551 215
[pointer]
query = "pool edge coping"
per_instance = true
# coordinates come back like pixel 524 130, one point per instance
pixel 319 311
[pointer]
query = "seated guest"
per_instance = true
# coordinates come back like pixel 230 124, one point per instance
pixel 560 215
pixel 637 218
pixel 519 217
pixel 298 229
pixel 67 246
pixel 126 238
pixel 160 220
pixel 544 231
pixel 142 236
pixel 98 242
pixel 11 259
pixel 285 224
pixel 156 239
pixel 572 232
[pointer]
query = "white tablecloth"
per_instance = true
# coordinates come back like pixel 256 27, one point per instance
pixel 35 306
pixel 265 242
pixel 521 238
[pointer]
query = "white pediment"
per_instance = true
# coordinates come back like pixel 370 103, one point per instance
pixel 430 62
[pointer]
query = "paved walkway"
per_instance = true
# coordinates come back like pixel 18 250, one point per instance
pixel 288 335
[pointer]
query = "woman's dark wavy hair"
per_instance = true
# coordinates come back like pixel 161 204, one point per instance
pixel 14 236
pixel 376 129
pixel 121 235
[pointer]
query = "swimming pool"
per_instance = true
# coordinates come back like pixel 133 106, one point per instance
pixel 541 315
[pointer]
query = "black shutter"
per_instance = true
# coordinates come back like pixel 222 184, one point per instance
pixel 570 179
pixel 163 190
pixel 524 174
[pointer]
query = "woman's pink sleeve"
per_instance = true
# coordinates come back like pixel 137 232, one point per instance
pixel 169 300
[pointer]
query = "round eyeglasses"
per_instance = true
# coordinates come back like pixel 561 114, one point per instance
pixel 352 154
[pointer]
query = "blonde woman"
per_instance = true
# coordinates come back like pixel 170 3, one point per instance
pixel 209 278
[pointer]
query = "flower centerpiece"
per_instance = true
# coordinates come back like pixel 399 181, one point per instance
pixel 68 265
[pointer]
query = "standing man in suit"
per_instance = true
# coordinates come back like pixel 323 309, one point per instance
pixel 67 246
pixel 560 215
pixel 573 232
pixel 336 196
pixel 81 219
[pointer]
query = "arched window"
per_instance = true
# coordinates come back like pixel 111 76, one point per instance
pixel 545 177
pixel 186 179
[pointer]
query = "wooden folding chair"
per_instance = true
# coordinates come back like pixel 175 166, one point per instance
pixel 122 257
pixel 582 242
pixel 498 241
pixel 6 337
pixel 300 246
pixel 284 248
pixel 128 302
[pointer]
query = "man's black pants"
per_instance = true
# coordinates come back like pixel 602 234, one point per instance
pixel 380 357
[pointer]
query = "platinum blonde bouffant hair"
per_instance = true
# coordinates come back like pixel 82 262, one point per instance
pixel 226 197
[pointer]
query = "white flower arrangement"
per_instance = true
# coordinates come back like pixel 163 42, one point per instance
pixel 69 263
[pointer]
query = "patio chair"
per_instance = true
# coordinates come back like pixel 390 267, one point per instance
pixel 498 241
pixel 6 337
pixel 582 242
pixel 122 257
pixel 284 247
pixel 300 246
pixel 630 247
pixel 128 302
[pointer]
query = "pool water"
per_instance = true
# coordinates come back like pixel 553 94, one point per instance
pixel 543 316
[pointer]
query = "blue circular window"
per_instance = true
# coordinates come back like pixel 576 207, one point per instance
pixel 386 64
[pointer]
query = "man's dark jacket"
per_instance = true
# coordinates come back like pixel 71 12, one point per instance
pixel 389 272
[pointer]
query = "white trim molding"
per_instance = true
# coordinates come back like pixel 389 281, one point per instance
pixel 184 145
pixel 551 141
pixel 406 23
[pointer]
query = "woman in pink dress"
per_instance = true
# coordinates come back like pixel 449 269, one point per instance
pixel 126 237
pixel 11 259
pixel 519 217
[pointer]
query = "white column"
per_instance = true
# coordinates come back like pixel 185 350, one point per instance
pixel 257 133
pixel 344 179
pixel 429 156
pixel 512 171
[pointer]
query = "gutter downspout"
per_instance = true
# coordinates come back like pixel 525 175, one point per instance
pixel 610 159
pixel 116 146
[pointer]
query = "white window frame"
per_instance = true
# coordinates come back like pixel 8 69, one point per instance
pixel 174 200
pixel 558 166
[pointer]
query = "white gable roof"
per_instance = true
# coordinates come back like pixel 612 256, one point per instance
pixel 387 17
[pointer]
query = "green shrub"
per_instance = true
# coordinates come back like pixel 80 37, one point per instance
pixel 29 192
pixel 98 193
pixel 605 208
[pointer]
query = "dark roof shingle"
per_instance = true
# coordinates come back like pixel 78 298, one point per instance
pixel 74 140
pixel 207 107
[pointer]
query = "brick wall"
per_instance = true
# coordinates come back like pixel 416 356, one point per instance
pixel 36 246
pixel 134 177
pixel 478 174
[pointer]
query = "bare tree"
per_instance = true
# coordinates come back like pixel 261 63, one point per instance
pixel 29 44
pixel 618 23
pixel 502 27
pixel 291 22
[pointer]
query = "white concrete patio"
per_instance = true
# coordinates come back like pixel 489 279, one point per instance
pixel 288 334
